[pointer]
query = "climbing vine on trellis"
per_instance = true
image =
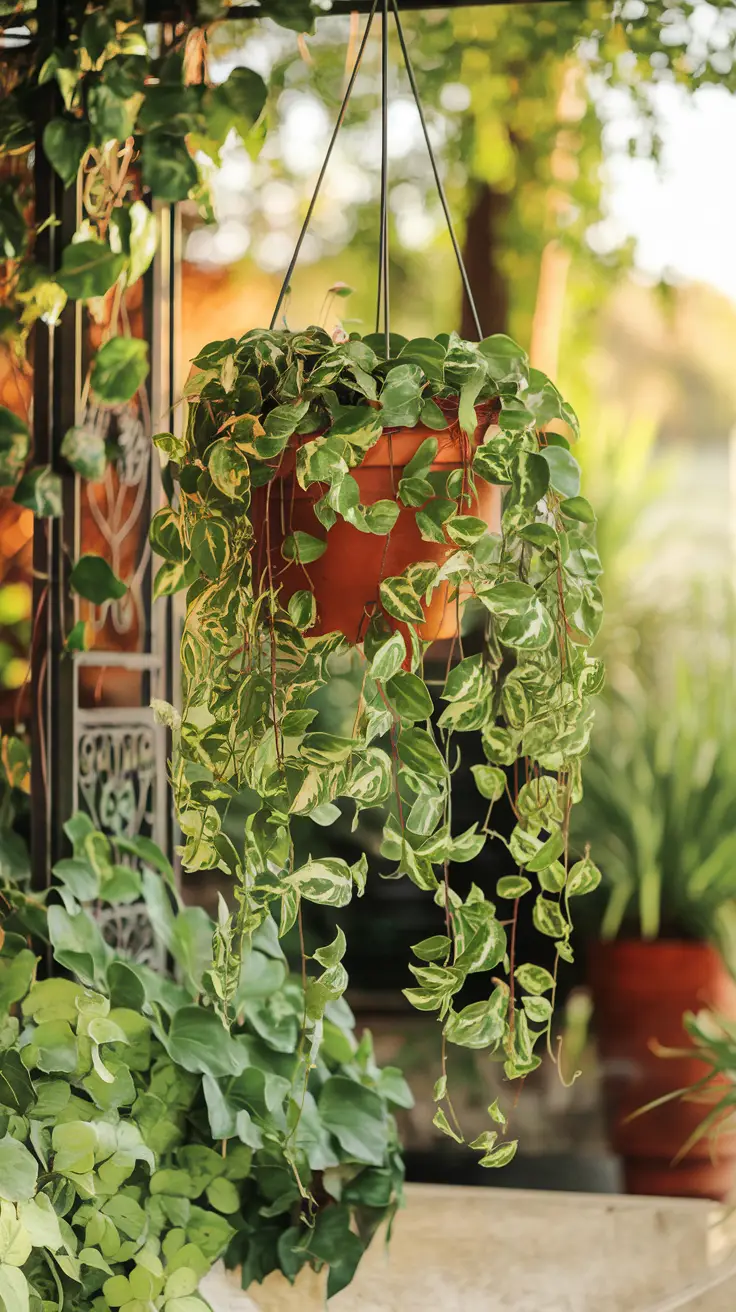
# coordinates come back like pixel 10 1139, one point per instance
pixel 132 116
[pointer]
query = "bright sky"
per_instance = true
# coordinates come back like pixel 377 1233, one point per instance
pixel 682 214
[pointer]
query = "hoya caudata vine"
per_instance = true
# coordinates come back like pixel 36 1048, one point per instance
pixel 251 664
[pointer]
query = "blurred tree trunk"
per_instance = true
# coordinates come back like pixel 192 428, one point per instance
pixel 483 244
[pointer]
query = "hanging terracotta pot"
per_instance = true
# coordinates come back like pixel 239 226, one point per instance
pixel 345 580
pixel 640 992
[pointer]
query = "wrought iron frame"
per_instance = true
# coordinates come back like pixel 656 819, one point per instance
pixel 122 746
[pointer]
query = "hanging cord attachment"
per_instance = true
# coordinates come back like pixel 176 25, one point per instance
pixel 382 297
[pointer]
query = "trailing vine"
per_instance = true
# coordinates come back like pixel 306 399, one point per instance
pixel 279 415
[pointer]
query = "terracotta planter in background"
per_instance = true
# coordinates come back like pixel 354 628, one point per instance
pixel 640 992
pixel 346 578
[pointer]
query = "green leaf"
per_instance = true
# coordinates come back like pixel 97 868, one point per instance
pixel 389 658
pixel 357 1117
pixel 126 989
pixel 198 1041
pixel 430 356
pixel 173 576
pixel 326 748
pixel 17 1093
pixel 283 421
pixel 533 629
pixel 15 444
pixel 97 33
pixel 432 519
pixel 481 1024
pixel 541 536
pixel 14 1290
pixel 426 813
pixel 39 490
pixel 165 534
pixel 138 236
pixel 224 1196
pixel 415 491
pixel 370 780
pixel 508 598
pixel 172 446
pixel 491 461
pixel 302 609
pixel 538 1010
pixel 77 942
pixel 65 141
pixel 79 876
pixel 229 469
pixel 392 1086
pixel 551 849
pixel 168 168
pixel 381 516
pixel 436 948
pixel 18 1171
pixel 440 1121
pixel 401 397
pixel 464 680
pixel 210 546
pixel 56 1047
pixel 564 470
pixel 469 392
pixel 466 530
pixel 334 952
pixel 327 881
pixel 468 845
pixel 400 599
pixel 119 369
pixel 409 696
pixel 302 547
pixel 504 357
pixel 117 1291
pixel 431 416
pixel 490 781
pixel 513 886
pixel 583 878
pixel 93 579
pixel 418 750
pixel 578 508
pixel 236 103
pixel 110 117
pixel 84 450
pixel 41 1223
pixel 89 268
pixel 500 1156
pixel 422 460
pixel 548 918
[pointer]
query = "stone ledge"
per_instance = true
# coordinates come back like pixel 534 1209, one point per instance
pixel 507 1250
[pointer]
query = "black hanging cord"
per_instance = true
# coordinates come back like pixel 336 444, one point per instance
pixel 435 170
pixel 383 256
pixel 382 298
pixel 323 170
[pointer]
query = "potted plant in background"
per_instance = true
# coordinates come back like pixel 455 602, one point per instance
pixel 660 805
pixel 140 1139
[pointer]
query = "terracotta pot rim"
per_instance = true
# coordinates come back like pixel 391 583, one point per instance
pixel 449 406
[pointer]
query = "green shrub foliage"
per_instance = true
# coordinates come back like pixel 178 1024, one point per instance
pixel 140 1138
